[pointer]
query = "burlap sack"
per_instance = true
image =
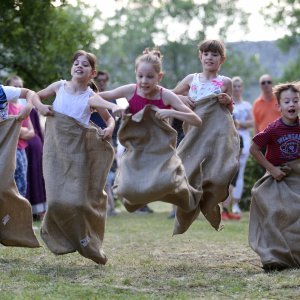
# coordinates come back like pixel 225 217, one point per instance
pixel 15 210
pixel 76 162
pixel 150 169
pixel 274 228
pixel 214 148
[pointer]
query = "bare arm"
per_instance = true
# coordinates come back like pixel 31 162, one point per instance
pixel 49 91
pixel 275 171
pixel 182 90
pixel 97 102
pixel 248 123
pixel 125 91
pixel 180 111
pixel 30 96
pixel 226 96
pixel 27 133
pixel 109 121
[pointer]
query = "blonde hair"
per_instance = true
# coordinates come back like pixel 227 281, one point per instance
pixel 213 46
pixel 237 78
pixel 154 57
pixel 281 87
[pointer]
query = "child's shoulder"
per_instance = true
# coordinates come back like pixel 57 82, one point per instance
pixel 273 126
pixel 58 83
pixel 190 77
pixel 226 79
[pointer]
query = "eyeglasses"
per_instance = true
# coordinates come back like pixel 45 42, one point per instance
pixel 266 82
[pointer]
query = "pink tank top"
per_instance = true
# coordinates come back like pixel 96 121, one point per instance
pixel 137 102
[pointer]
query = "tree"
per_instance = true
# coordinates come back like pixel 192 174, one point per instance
pixel 38 39
pixel 175 25
pixel 285 14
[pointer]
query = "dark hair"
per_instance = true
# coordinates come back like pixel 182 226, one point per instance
pixel 103 73
pixel 92 59
pixel 11 78
pixel 153 57
pixel 281 87
pixel 213 46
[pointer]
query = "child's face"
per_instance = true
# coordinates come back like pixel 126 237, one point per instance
pixel 82 69
pixel 17 83
pixel 237 88
pixel 289 106
pixel 211 61
pixel 147 78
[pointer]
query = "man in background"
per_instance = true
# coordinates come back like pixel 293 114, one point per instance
pixel 265 108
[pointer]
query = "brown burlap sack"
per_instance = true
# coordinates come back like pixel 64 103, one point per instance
pixel 15 210
pixel 76 162
pixel 150 169
pixel 214 148
pixel 274 228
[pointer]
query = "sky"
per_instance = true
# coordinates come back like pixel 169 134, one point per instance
pixel 258 31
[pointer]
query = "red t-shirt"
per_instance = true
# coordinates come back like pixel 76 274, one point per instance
pixel 282 142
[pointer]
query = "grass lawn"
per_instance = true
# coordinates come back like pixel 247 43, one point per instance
pixel 146 262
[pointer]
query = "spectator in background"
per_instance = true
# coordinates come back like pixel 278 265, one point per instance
pixel 265 106
pixel 242 114
pixel 35 181
pixel 101 81
pixel 26 133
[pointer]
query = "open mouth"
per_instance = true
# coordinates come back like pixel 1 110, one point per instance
pixel 291 111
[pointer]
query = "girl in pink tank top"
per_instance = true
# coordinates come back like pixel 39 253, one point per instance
pixel 137 102
pixel 146 91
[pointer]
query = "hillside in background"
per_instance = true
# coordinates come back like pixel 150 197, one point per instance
pixel 271 58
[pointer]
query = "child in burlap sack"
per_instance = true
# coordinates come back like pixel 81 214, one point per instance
pixel 147 91
pixel 15 211
pixel 274 230
pixel 150 169
pixel 76 159
pixel 211 154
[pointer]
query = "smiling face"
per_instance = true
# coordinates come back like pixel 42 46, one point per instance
pixel 82 69
pixel 211 61
pixel 147 79
pixel 289 106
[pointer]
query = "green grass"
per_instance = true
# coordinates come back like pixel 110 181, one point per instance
pixel 146 262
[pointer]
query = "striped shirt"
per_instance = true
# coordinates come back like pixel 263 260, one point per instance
pixel 282 141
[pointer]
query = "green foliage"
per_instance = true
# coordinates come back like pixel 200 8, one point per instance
pixel 39 39
pixel 176 26
pixel 285 14
pixel 253 172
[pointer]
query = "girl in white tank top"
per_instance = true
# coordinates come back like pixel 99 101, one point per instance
pixel 75 98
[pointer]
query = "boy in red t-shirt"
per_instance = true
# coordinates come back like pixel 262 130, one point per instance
pixel 281 137
pixel 274 228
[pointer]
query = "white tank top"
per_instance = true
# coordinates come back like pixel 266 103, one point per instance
pixel 75 106
pixel 200 89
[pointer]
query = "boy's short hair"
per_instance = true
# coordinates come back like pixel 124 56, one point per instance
pixel 281 87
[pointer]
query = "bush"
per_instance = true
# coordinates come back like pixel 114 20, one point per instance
pixel 253 172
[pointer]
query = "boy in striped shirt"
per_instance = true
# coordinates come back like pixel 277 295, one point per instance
pixel 281 137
